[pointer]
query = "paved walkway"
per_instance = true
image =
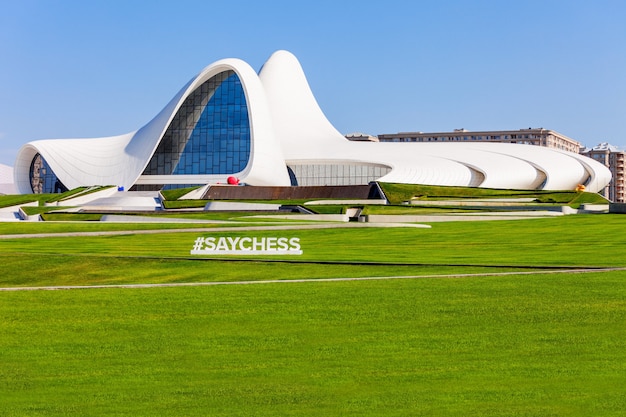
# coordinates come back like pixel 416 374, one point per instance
pixel 242 228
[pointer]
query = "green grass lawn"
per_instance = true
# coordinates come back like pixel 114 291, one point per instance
pixel 581 240
pixel 524 345
pixel 397 193
pixel 541 345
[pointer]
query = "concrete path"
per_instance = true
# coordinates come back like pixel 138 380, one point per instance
pixel 243 228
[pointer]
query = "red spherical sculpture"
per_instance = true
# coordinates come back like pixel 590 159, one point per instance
pixel 233 180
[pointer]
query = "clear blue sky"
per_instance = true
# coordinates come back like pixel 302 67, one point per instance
pixel 77 68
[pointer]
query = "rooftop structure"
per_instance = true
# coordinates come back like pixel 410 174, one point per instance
pixel 361 137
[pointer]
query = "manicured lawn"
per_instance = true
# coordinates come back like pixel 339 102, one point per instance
pixel 397 193
pixel 541 345
pixel 528 345
pixel 581 240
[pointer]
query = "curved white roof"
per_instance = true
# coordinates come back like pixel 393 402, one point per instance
pixel 306 134
pixel 288 127
pixel 120 160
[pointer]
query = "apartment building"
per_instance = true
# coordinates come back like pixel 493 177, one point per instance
pixel 609 155
pixel 531 136
pixel 615 159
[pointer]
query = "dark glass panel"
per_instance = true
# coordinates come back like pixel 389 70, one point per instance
pixel 43 179
pixel 212 122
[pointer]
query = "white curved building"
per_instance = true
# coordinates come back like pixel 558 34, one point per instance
pixel 267 129
pixel 7 185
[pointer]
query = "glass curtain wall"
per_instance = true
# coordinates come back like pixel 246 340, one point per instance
pixel 42 178
pixel 335 174
pixel 210 133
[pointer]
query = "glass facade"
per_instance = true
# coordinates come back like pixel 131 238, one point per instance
pixel 335 174
pixel 210 133
pixel 42 178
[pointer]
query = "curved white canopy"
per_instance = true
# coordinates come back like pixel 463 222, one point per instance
pixel 288 127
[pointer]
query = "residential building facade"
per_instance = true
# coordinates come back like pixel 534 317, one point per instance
pixel 615 159
pixel 531 136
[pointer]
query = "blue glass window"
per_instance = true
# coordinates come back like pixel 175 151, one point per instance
pixel 42 178
pixel 210 133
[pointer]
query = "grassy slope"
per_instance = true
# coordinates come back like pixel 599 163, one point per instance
pixel 397 193
pixel 570 240
pixel 516 345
